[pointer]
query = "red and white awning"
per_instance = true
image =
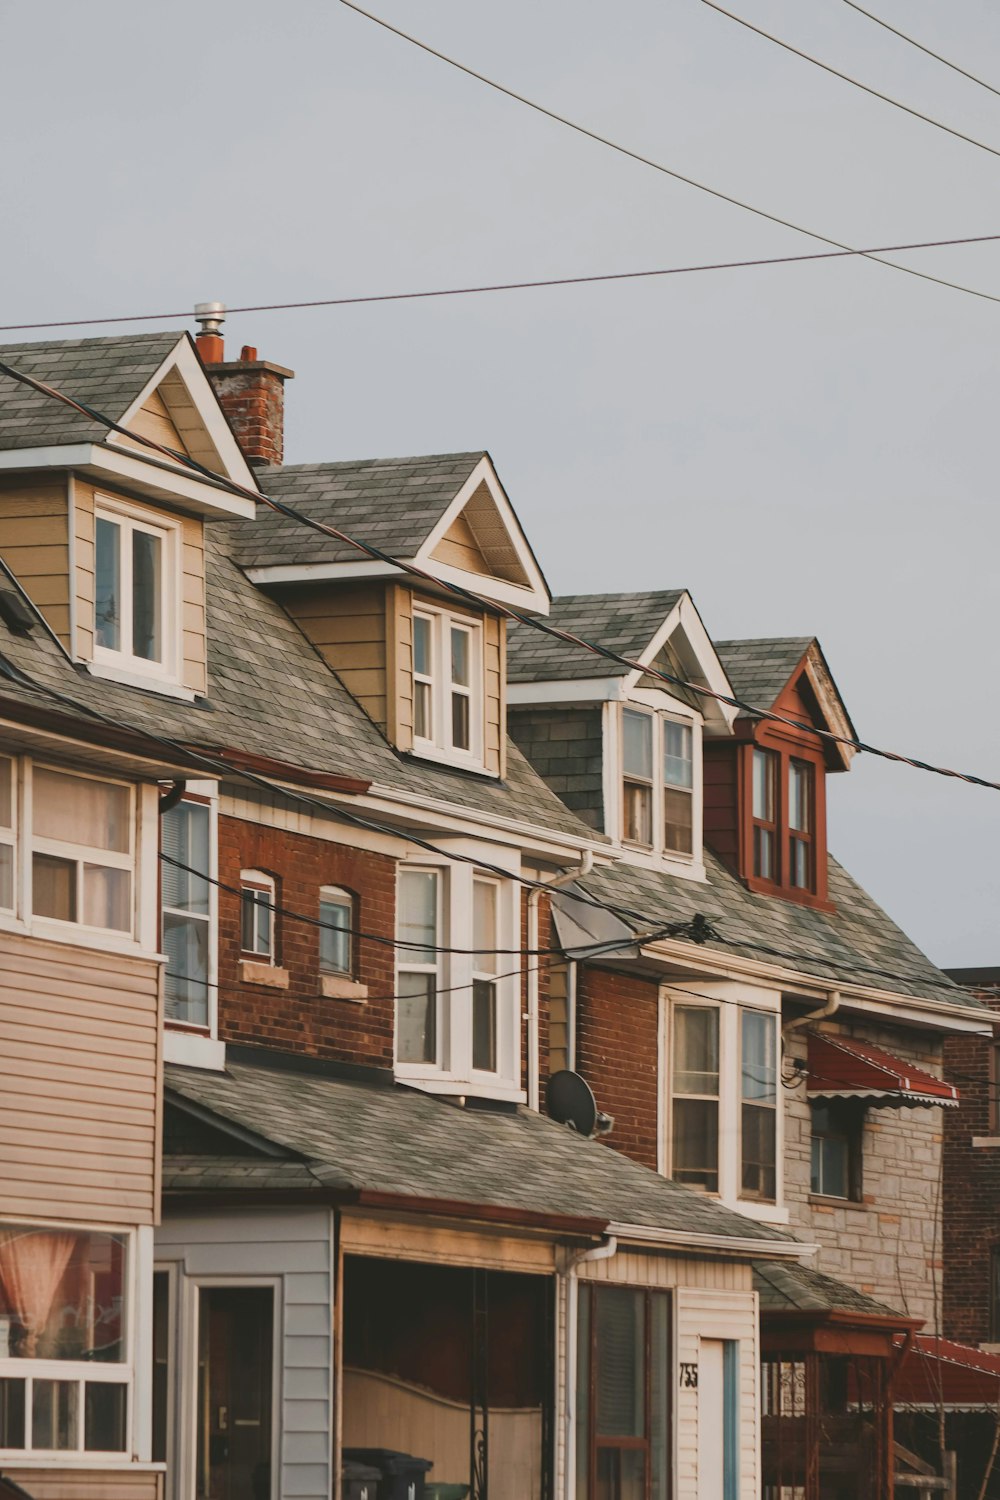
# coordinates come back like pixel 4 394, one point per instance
pixel 938 1372
pixel 841 1068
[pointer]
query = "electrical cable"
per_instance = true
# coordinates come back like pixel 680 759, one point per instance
pixel 520 286
pixel 846 77
pixel 920 46
pixel 469 596
pixel 648 161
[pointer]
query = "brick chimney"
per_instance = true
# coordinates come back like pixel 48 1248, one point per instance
pixel 251 391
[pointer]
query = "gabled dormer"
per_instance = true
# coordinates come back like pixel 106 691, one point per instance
pixel 765 794
pixel 620 746
pixel 104 533
pixel 427 666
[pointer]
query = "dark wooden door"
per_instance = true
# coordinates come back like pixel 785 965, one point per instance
pixel 236 1374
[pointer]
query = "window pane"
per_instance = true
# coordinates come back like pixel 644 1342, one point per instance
pixel 696 1050
pixel 6 877
pixel 147 587
pixel 800 876
pixel 185 942
pixel 104 1417
pixel 759 1070
pixel 416 1020
pixel 830 1165
pixel 621 1474
pixel 184 837
pixel 638 814
pixel 763 853
pixel 53 887
pixel 54 1407
pixel 265 921
pixel 763 786
pixel 12 1434
pixel 460 728
pixel 678 810
pixel 418 912
pixel 758 1142
pixel 76 810
pixel 334 937
pixel 484 925
pixel 248 919
pixel 423 723
pixel 484 1025
pixel 800 796
pixel 620 1365
pixel 460 657
pixel 61 1294
pixel 161 1364
pixel 637 749
pixel 678 769
pixel 422 645
pixel 107 600
pixel 107 898
pixel 696 1143
pixel 6 794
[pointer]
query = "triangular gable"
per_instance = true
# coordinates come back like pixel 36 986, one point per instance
pixel 478 542
pixel 178 407
pixel 683 648
pixel 811 695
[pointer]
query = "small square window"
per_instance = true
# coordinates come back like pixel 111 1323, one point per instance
pixel 836 1150
pixel 336 936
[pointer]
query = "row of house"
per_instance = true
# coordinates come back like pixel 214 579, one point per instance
pixel 314 874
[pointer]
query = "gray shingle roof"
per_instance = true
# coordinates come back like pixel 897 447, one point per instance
pixel 857 943
pixel 393 503
pixel 758 670
pixel 104 373
pixel 625 622
pixel 784 1287
pixel 397 1140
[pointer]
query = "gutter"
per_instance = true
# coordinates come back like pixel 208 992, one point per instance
pixel 713 1244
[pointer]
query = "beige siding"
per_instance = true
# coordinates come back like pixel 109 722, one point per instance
pixel 34 543
pixel 494 683
pixel 399 662
pixel 83 533
pixel 87 1484
pixel 459 548
pixel 79 1075
pixel 153 420
pixel 347 625
pixel 707 1315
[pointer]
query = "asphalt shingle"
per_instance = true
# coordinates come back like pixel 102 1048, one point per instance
pixel 624 622
pixel 784 1287
pixel 759 669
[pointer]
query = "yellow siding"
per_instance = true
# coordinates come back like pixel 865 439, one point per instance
pixel 79 1060
pixel 399 635
pixel 34 543
pixel 494 682
pixel 153 420
pixel 459 548
pixel 706 1315
pixel 83 530
pixel 347 625
pixel 87 1484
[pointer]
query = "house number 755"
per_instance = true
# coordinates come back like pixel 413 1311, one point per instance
pixel 689 1377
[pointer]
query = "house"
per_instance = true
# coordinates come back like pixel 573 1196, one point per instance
pixel 784 1056
pixel 369 1235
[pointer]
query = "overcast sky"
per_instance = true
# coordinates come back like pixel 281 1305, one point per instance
pixel 808 449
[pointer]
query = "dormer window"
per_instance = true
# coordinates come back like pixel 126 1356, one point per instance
pixel 800 824
pixel 658 760
pixel 783 821
pixel 447 685
pixel 136 587
pixel 765 814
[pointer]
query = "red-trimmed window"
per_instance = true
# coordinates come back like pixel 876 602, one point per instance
pixel 765 815
pixel 801 820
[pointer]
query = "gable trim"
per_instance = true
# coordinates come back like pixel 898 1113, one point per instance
pixel 684 616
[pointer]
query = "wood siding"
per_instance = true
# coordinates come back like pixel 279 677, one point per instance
pixel 459 548
pixel 79 1065
pixel 88 1484
pixel 153 420
pixel 716 1315
pixel 34 543
pixel 438 1245
pixel 347 625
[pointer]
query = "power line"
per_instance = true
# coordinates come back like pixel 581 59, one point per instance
pixel 920 46
pixel 648 161
pixel 539 283
pixel 846 77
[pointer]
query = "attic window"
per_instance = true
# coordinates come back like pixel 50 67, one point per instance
pixel 447 686
pixel 658 782
pixel 136 589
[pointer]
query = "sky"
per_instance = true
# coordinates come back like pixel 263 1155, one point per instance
pixel 809 449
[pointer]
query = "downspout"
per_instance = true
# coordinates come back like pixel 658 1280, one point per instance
pixel 830 1008
pixel 534 895
pixel 603 1251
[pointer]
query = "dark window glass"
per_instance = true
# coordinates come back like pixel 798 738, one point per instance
pixel 484 1025
pixel 147 589
pixel 107 600
pixel 104 1409
pixel 836 1151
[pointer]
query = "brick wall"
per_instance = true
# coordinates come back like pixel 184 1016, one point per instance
pixel 298 1018
pixel 566 749
pixel 971 1188
pixel 617 1054
pixel 889 1244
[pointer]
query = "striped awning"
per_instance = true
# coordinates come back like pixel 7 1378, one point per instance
pixel 938 1372
pixel 841 1068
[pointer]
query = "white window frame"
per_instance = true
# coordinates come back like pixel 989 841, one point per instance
pixel 9 835
pixel 452 1071
pixel 487 968
pixel 258 883
pixel 745 1011
pixel 685 1003
pixel 655 854
pixel 204 793
pixel 80 1372
pixel 132 518
pixel 438 745
pixel 81 854
pixel 335 895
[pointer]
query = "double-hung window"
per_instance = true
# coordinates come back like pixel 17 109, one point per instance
pixel 135 591
pixel 83 832
pixel 418 972
pixel 758 1105
pixel 658 782
pixel 637 774
pixel 695 1090
pixel 186 893
pixel 336 937
pixel 836 1149
pixel 800 824
pixel 678 787
pixel 447 685
pixel 64 1350
pixel 765 814
pixel 485 924
pixel 257 916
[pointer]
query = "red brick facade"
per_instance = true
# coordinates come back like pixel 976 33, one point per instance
pixel 617 1029
pixel 971 1189
pixel 298 1018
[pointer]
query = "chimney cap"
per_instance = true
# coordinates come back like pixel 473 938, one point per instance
pixel 211 316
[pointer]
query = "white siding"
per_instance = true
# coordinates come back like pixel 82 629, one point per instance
pixel 717 1315
pixel 293 1245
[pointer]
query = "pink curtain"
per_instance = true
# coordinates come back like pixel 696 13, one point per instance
pixel 32 1264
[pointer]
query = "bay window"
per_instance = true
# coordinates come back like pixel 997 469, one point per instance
pixel 82 850
pixel 186 836
pixel 758 1105
pixel 447 685
pixel 64 1354
pixel 136 586
pixel 336 938
pixel 658 782
pixel 257 916
pixel 696 1075
pixel 623 1385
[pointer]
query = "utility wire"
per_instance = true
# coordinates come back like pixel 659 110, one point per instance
pixel 648 161
pixel 469 596
pixel 520 286
pixel 846 77
pixel 920 46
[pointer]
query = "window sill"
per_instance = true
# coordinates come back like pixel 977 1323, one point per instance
pixel 445 1084
pixel 254 971
pixel 423 751
pixel 342 987
pixel 193 1049
pixel 823 1200
pixel 150 684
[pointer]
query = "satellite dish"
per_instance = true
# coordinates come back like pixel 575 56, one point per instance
pixel 568 1099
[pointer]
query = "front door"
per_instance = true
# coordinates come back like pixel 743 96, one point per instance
pixel 235 1378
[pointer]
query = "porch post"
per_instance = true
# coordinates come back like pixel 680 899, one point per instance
pixel 479 1412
